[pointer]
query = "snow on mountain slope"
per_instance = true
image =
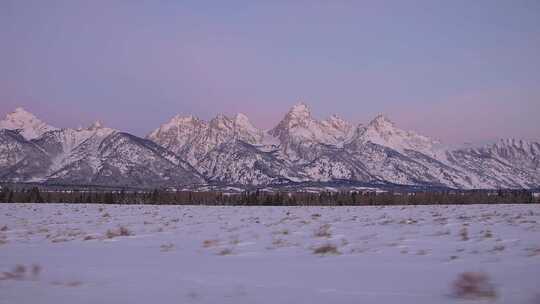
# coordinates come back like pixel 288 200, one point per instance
pixel 110 157
pixel 298 131
pixel 127 159
pixel 28 125
pixel 384 132
pixel 102 156
pixel 68 146
pixel 192 138
pixel 245 131
pixel 21 160
pixel 334 163
pixel 237 162
pixel 390 165
pixel 508 163
pixel 229 150
pixel 519 153
pixel 338 129
pixel 182 135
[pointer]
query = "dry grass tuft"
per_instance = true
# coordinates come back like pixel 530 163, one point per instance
pixel 19 272
pixel 323 231
pixel 73 284
pixel 408 221
pixel 121 231
pixel 36 270
pixel 89 237
pixel 533 252
pixel 225 251
pixel 167 247
pixel 442 232
pixel 498 248
pixel 464 234
pixel 210 243
pixel 473 285
pixel 59 240
pixel 326 249
pixel 67 284
pixel 283 232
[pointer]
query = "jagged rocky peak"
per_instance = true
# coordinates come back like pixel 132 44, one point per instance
pixel 222 122
pixel 242 120
pixel 381 122
pixel 299 111
pixel 20 111
pixel 179 119
pixel 246 130
pixel 95 125
pixel 518 143
pixel 334 118
pixel 238 127
pixel 299 116
pixel 382 131
pixel 514 147
pixel 382 126
pixel 298 131
pixel 28 125
pixel 177 126
pixel 337 123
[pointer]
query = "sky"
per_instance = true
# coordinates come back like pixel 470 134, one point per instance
pixel 459 71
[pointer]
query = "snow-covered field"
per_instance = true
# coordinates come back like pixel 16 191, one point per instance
pixel 55 253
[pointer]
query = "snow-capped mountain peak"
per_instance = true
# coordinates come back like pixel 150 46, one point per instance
pixel 334 118
pixel 179 119
pixel 242 120
pixel 299 111
pixel 382 131
pixel 246 131
pixel 221 122
pixel 337 123
pixel 28 125
pixel 296 124
pixel 180 124
pixel 97 128
pixel 299 124
pixel 95 125
pixel 230 149
pixel 518 143
pixel 510 147
pixel 381 122
pixel 298 131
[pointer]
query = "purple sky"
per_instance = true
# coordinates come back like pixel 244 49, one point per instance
pixel 455 70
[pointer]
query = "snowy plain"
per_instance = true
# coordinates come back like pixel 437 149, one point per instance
pixel 73 253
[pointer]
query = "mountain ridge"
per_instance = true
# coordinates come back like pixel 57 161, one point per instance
pixel 230 150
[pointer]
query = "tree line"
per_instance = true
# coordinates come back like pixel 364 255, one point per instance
pixel 264 198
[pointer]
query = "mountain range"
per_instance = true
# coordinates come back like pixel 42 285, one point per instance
pixel 187 151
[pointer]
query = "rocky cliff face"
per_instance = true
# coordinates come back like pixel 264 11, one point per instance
pixel 93 155
pixel 25 123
